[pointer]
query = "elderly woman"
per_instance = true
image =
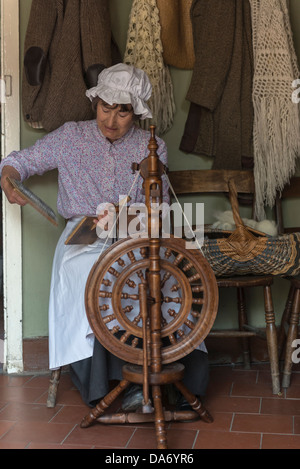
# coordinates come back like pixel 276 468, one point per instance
pixel 93 159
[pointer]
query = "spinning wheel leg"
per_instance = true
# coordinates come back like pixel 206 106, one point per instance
pixel 134 374
pixel 161 436
pixel 104 404
pixel 194 402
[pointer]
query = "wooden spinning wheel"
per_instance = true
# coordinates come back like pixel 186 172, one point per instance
pixel 151 301
pixel 113 298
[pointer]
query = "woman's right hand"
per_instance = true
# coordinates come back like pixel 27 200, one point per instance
pixel 12 196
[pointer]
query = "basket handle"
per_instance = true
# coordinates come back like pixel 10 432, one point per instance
pixel 233 197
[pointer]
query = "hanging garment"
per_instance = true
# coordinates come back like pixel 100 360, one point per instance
pixel 144 50
pixel 276 116
pixel 220 119
pixel 66 43
pixel 177 33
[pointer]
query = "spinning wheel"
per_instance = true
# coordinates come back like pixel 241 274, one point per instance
pixel 151 301
pixel 113 298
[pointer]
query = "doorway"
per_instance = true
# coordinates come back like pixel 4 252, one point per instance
pixel 12 349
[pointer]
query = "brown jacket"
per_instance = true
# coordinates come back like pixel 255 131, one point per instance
pixel 65 41
pixel 220 119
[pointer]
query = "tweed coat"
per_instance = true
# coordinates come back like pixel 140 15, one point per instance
pixel 220 119
pixel 65 43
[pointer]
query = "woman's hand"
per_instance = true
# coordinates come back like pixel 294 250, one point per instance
pixel 12 196
pixel 102 220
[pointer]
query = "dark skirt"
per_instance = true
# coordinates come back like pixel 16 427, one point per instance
pixel 91 376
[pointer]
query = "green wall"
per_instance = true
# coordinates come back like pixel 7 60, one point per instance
pixel 40 237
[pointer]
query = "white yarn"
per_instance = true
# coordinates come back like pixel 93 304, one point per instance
pixel 144 50
pixel 225 222
pixel 276 134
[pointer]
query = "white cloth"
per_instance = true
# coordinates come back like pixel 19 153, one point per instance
pixel 124 84
pixel 70 336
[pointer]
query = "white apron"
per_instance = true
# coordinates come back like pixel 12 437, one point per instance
pixel 70 336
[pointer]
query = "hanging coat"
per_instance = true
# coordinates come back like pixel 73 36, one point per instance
pixel 220 119
pixel 67 44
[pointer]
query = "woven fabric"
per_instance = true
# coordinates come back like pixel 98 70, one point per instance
pixel 276 135
pixel 144 51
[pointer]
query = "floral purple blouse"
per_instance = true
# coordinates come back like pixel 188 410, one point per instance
pixel 91 170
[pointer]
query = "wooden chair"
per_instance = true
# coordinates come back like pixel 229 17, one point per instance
pixel 201 182
pixel 288 331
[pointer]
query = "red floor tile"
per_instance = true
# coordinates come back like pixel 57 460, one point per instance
pixel 262 423
pixel 246 416
pixel 227 440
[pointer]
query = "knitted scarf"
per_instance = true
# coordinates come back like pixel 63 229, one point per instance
pixel 144 50
pixel 276 134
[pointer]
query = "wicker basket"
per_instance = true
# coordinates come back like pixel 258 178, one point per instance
pixel 248 252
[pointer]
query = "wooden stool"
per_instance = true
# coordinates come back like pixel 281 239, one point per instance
pixel 291 315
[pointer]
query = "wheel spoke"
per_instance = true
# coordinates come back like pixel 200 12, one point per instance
pixel 189 324
pixel 108 318
pixel 105 294
pixel 169 299
pixel 181 334
pixel 131 256
pixel 125 296
pixel 106 282
pixel 198 301
pixel 197 288
pixel 187 266
pixel 165 278
pixel 172 339
pixel 127 309
pixel 172 313
pixel 131 283
pixel 178 259
pixel 113 272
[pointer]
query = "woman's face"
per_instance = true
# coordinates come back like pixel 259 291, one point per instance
pixel 113 122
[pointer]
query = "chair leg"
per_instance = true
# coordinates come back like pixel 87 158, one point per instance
pixel 52 391
pixel 285 320
pixel 292 335
pixel 242 315
pixel 271 335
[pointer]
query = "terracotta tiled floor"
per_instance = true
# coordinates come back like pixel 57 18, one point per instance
pixel 246 415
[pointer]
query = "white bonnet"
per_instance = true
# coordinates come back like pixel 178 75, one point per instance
pixel 124 84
